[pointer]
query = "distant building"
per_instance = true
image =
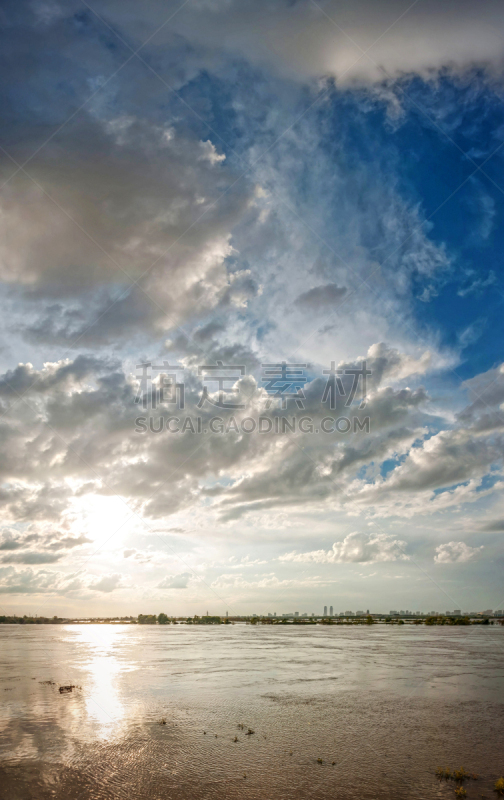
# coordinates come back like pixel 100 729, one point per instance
pixel 331 611
pixel 349 614
pixel 296 613
pixel 325 611
pixel 359 613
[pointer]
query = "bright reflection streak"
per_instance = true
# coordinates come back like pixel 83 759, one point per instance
pixel 101 694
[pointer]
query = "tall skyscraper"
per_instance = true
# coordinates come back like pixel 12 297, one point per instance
pixel 325 611
pixel 331 611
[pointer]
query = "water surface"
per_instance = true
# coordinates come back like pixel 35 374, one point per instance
pixel 386 704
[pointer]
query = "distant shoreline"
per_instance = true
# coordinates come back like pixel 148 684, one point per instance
pixel 367 620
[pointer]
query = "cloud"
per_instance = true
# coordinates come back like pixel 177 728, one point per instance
pixel 69 542
pixel 493 525
pixel 355 548
pixel 387 362
pixel 475 284
pixel 305 40
pixel 109 233
pixel 108 583
pixel 138 555
pixel 31 557
pixel 456 553
pixel 180 581
pixel 10 541
pixel 28 581
pixel 209 153
pixel 94 414
pixel 267 580
pixel 448 458
pixel 486 394
pixel 54 376
pixel 320 297
pixel 51 544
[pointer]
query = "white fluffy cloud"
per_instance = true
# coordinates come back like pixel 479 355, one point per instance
pixel 356 547
pixel 78 584
pixel 456 553
pixel 179 581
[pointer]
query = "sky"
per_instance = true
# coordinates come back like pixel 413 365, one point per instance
pixel 253 306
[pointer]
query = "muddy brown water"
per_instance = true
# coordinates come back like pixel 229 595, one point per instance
pixel 387 705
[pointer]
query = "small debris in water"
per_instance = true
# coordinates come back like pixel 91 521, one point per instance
pixel 249 732
pixel 66 689
pixel 235 739
pixel 162 721
pixel 319 761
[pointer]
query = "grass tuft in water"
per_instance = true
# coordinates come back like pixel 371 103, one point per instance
pixel 499 787
pixel 443 774
pixel 460 775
